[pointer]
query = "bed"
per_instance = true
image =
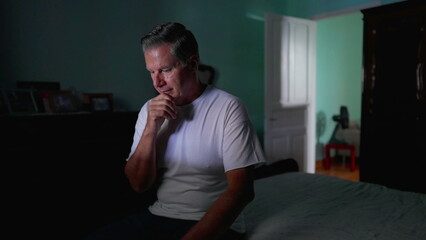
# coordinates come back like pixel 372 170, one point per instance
pixel 299 206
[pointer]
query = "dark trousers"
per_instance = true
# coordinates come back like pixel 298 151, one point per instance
pixel 146 226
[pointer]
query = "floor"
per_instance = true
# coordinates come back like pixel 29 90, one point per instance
pixel 339 168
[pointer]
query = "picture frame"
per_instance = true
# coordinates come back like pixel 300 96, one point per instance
pixel 98 102
pixel 41 92
pixel 62 102
pixel 18 101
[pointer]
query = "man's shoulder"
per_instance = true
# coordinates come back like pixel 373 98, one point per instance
pixel 223 94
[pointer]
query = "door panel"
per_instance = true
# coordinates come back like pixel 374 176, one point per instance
pixel 290 90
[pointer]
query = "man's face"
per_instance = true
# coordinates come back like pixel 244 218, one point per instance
pixel 168 74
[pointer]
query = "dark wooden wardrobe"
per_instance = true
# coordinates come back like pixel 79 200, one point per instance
pixel 393 121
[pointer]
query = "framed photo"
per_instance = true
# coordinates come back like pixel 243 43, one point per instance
pixel 41 92
pixel 98 102
pixel 18 101
pixel 62 102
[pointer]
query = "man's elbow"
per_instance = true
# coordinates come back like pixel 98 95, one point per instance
pixel 137 184
pixel 136 188
pixel 140 186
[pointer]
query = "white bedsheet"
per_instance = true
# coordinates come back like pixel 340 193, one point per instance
pixel 302 206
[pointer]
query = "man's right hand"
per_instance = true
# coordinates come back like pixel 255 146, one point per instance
pixel 161 108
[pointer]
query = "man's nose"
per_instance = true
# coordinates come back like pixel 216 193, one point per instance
pixel 158 79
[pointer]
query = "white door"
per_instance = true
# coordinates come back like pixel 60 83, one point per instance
pixel 290 52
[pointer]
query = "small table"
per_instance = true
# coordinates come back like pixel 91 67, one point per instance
pixel 350 147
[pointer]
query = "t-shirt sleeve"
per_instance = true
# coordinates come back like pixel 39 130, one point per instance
pixel 139 128
pixel 241 146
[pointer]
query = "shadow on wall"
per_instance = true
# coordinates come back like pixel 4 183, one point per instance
pixel 321 126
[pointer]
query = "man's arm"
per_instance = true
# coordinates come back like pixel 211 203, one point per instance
pixel 141 168
pixel 226 208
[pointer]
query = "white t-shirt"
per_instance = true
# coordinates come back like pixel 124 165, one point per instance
pixel 210 136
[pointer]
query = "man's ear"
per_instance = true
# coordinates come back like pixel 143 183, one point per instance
pixel 194 62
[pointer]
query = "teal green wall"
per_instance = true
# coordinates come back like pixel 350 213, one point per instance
pixel 313 8
pixel 93 45
pixel 339 69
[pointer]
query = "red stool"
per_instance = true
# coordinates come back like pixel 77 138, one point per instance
pixel 327 161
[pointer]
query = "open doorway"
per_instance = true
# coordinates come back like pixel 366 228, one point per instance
pixel 338 83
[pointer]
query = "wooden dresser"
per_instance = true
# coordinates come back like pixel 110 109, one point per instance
pixel 65 172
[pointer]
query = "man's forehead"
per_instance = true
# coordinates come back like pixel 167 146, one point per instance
pixel 159 60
